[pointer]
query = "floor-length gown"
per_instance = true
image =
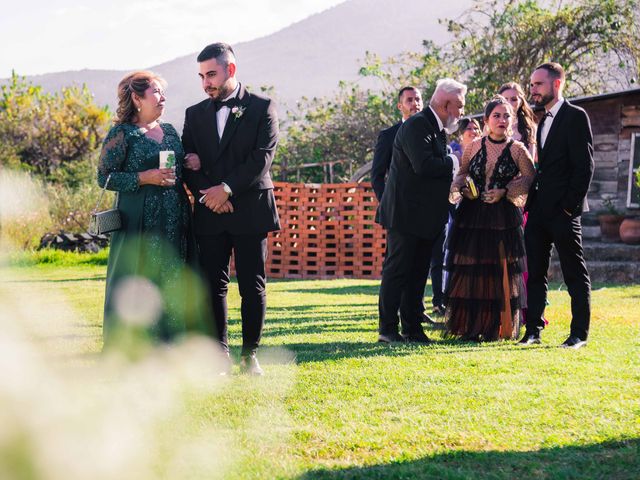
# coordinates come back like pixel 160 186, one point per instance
pixel 485 256
pixel 148 255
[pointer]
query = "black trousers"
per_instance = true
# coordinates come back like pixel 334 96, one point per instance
pixel 412 300
pixel 566 234
pixel 437 264
pixel 250 254
pixel 404 274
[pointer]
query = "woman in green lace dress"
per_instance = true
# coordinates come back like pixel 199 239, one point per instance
pixel 148 283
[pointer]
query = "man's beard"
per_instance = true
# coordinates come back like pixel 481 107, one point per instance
pixel 544 99
pixel 221 92
pixel 452 125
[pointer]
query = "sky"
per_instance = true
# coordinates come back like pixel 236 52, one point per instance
pixel 44 36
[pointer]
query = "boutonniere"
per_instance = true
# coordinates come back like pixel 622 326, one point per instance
pixel 238 111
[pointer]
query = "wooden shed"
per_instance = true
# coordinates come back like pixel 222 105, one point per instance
pixel 615 123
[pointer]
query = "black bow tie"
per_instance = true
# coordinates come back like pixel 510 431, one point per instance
pixel 545 116
pixel 232 102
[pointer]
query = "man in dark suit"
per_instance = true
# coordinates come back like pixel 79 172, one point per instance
pixel 556 201
pixel 233 136
pixel 415 206
pixel 409 103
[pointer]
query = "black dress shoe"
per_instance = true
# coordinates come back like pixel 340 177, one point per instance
pixel 390 337
pixel 418 337
pixel 573 342
pixel 249 365
pixel 424 318
pixel 530 339
pixel 438 310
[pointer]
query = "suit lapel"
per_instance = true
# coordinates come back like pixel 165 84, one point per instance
pixel 234 119
pixel 436 129
pixel 209 128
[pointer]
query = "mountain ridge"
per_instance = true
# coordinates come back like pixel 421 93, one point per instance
pixel 307 58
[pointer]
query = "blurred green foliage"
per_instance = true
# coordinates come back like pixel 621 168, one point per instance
pixel 53 137
pixel 42 132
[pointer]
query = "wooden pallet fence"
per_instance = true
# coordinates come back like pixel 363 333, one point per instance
pixel 328 231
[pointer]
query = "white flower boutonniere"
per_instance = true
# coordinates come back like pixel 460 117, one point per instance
pixel 238 111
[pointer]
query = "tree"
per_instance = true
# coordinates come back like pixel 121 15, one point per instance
pixel 596 41
pixel 495 41
pixel 342 131
pixel 336 134
pixel 42 132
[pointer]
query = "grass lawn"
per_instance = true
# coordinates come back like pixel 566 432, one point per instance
pixel 336 405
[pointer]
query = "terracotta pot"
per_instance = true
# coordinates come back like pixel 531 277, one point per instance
pixel 610 227
pixel 630 231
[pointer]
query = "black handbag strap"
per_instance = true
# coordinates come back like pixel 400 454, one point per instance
pixel 104 189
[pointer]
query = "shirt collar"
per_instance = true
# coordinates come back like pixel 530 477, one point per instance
pixel 234 93
pixel 440 125
pixel 556 108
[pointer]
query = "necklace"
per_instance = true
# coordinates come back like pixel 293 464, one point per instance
pixel 145 127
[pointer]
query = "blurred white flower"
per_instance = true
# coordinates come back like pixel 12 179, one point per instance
pixel 138 302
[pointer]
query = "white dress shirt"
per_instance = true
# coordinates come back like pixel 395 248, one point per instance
pixel 223 114
pixel 547 123
pixel 440 125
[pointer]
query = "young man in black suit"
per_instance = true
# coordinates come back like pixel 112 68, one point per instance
pixel 556 201
pixel 232 138
pixel 415 207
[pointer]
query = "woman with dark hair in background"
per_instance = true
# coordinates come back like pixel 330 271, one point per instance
pixel 524 126
pixel 468 131
pixel 485 250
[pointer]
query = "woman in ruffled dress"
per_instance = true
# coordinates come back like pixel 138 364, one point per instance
pixel 485 252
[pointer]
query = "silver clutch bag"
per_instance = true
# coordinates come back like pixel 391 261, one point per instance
pixel 105 221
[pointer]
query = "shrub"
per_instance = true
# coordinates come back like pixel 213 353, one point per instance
pixel 24 210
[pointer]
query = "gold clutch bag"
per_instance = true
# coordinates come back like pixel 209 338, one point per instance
pixel 473 190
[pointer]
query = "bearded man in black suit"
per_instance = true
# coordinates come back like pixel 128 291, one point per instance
pixel 230 140
pixel 415 207
pixel 555 203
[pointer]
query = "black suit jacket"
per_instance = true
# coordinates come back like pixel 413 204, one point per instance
pixel 382 158
pixel 241 159
pixel 565 165
pixel 416 195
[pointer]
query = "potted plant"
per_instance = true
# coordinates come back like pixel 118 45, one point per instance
pixel 630 226
pixel 610 220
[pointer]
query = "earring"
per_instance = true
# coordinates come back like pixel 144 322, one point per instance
pixel 138 108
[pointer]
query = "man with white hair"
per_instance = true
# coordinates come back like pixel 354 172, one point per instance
pixel 415 206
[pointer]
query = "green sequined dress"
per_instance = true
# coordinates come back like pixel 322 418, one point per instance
pixel 155 244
